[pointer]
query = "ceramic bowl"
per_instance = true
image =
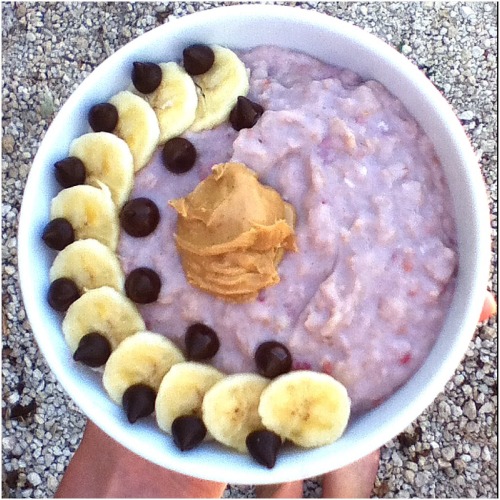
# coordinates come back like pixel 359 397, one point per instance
pixel 332 41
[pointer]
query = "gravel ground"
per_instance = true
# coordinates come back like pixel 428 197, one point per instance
pixel 49 48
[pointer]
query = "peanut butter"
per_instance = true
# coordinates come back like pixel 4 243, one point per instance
pixel 232 232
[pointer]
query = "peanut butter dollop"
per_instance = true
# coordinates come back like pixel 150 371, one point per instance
pixel 232 232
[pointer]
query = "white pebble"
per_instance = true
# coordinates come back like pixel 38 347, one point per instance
pixel 52 483
pixel 486 408
pixel 8 443
pixel 470 410
pixel 475 451
pixel 466 115
pixel 396 459
pixel 477 52
pixel 34 478
pixel 412 466
pixel 409 475
pixel 421 478
pixel 486 455
pixel 448 453
pixel 467 11
pixel 13 398
pixel 17 450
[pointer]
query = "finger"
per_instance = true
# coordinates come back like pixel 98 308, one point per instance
pixel 284 490
pixel 489 308
pixel 355 480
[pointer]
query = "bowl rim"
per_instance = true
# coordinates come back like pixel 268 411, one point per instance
pixel 309 461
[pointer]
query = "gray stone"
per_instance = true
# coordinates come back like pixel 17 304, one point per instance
pixel 409 475
pixel 448 453
pixel 475 451
pixel 412 466
pixel 421 479
pixel 485 454
pixel 49 48
pixel 487 408
pixel 470 410
pixel 396 459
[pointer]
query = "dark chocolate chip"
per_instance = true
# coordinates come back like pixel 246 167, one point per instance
pixel 139 217
pixel 143 285
pixel 179 155
pixel 70 172
pixel 103 117
pixel 264 447
pixel 245 113
pixel 58 234
pixel 201 342
pixel 198 59
pixel 272 359
pixel 62 293
pixel 93 350
pixel 188 432
pixel 146 76
pixel 138 401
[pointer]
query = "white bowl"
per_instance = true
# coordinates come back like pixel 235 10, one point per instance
pixel 332 41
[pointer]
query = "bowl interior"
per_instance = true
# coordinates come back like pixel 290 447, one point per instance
pixel 332 41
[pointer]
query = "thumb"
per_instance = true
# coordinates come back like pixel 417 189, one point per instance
pixel 489 308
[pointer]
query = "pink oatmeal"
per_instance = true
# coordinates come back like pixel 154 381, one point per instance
pixel 367 293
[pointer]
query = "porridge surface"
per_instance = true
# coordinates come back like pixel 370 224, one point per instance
pixel 366 294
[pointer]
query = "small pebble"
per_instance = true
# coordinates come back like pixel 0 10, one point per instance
pixel 470 410
pixel 34 479
pixel 448 453
pixel 58 44
pixel 466 115
pixel 421 478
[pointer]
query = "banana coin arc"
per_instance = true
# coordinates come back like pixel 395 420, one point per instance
pixel 90 211
pixel 137 126
pixel 105 311
pixel 219 88
pixel 89 264
pixel 230 409
pixel 107 159
pixel 142 358
pixel 308 408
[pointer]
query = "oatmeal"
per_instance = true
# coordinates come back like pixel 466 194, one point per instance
pixel 366 295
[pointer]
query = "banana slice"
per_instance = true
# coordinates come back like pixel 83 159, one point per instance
pixel 107 159
pixel 142 358
pixel 219 88
pixel 90 211
pixel 105 311
pixel 308 408
pixel 137 126
pixel 174 101
pixel 181 392
pixel 89 264
pixel 230 409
